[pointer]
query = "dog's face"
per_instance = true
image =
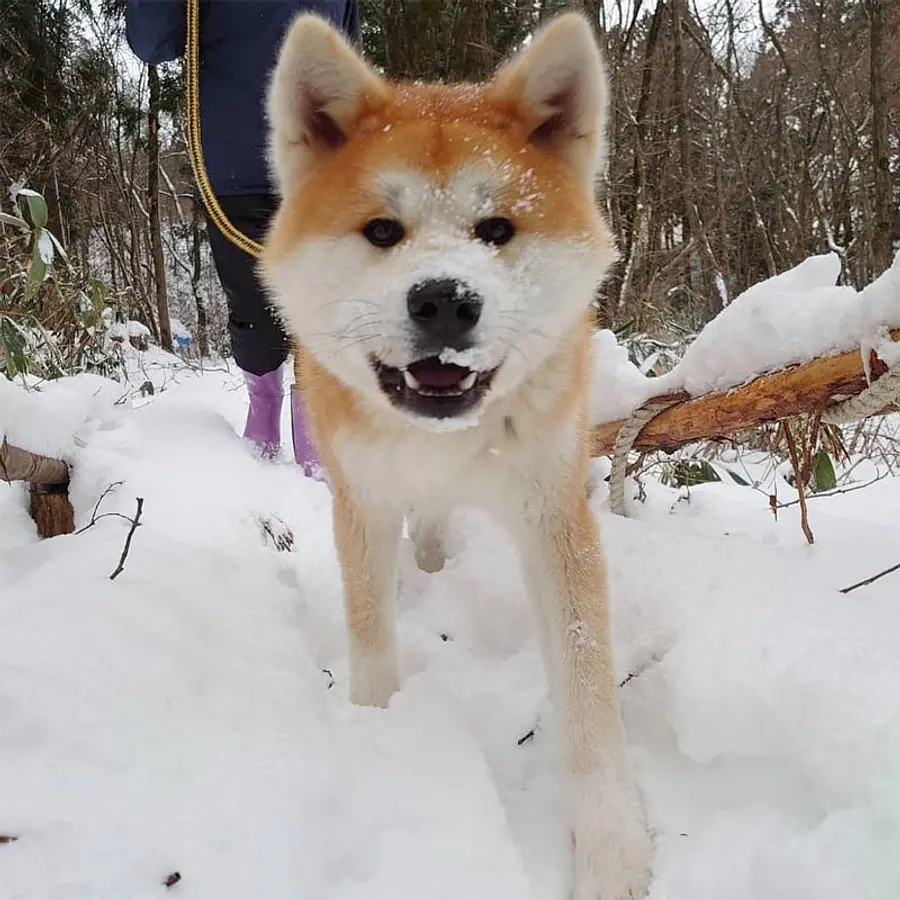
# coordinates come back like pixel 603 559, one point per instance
pixel 436 243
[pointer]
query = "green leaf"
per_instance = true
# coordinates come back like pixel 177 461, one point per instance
pixel 45 246
pixel 37 270
pixel 98 292
pixel 686 473
pixel 37 206
pixel 823 478
pixel 737 479
pixel 13 343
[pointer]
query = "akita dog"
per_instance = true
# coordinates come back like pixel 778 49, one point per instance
pixel 435 254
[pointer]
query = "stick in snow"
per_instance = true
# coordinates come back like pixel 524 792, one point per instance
pixel 871 580
pixel 134 524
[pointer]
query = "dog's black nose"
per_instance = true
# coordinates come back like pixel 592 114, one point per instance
pixel 445 309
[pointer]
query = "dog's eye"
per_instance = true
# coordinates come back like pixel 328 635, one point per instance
pixel 384 232
pixel 496 231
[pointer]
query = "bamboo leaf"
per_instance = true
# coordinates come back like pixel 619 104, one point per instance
pixel 37 271
pixel 15 221
pixel 37 206
pixel 12 342
pixel 824 478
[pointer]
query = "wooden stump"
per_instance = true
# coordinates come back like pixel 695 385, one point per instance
pixel 51 510
pixel 49 494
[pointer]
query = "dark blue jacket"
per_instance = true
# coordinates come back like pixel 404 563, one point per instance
pixel 239 41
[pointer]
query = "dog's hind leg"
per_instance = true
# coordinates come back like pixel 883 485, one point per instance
pixel 367 541
pixel 427 535
pixel 566 576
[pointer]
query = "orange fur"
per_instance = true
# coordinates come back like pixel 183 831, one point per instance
pixel 527 144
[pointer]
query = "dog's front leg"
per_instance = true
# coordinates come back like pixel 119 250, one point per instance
pixel 567 579
pixel 367 541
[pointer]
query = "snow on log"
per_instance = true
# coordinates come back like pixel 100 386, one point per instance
pixel 804 388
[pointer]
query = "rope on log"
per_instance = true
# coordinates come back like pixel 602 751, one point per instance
pixel 667 422
pixel 17 464
pixel 876 397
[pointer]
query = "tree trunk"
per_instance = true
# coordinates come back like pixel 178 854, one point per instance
pixel 156 246
pixel 202 320
pixel 882 214
pixel 692 225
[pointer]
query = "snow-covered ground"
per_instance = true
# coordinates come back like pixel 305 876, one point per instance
pixel 180 718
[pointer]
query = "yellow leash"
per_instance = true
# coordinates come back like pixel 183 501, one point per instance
pixel 195 146
pixel 195 153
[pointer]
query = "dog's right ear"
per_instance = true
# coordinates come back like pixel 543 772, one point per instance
pixel 318 90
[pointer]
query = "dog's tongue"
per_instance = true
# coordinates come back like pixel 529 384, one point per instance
pixel 435 374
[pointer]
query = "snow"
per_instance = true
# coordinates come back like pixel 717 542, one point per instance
pixel 52 417
pixel 790 318
pixel 178 718
pixel 471 358
pixel 139 329
pixel 793 317
pixel 124 330
pixel 179 329
pixel 618 387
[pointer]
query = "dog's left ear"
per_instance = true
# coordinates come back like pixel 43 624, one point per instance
pixel 558 87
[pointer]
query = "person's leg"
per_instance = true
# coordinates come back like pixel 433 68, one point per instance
pixel 258 342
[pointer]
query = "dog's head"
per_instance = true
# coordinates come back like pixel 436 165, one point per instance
pixel 435 243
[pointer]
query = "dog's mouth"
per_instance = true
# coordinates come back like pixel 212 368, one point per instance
pixel 432 388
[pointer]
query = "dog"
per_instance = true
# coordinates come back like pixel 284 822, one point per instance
pixel 435 254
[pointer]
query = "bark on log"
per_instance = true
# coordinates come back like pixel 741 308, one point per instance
pixel 21 465
pixel 799 389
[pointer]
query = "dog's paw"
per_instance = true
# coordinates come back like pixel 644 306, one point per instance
pixel 373 680
pixel 613 847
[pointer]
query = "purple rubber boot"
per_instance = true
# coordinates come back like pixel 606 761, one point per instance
pixel 263 426
pixel 305 452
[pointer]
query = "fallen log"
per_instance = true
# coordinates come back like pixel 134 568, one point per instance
pixel 799 389
pixel 49 504
pixel 17 464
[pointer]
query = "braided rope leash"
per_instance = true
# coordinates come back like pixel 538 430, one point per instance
pixel 623 445
pixel 871 401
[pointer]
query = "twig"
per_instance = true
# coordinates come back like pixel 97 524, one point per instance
pixel 94 517
pixel 134 524
pixel 798 478
pixel 526 737
pixel 836 491
pixel 171 880
pixel 870 580
pixel 7 838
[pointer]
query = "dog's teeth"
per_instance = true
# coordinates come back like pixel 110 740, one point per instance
pixel 412 382
pixel 468 382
